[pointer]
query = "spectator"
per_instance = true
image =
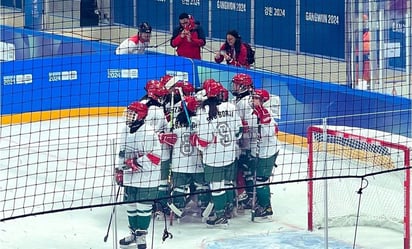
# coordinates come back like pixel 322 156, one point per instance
pixel 233 51
pixel 138 43
pixel 89 13
pixel 366 38
pixel 188 37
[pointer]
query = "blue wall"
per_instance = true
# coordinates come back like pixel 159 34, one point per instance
pixel 277 20
pixel 81 81
pixel 33 44
pixel 102 79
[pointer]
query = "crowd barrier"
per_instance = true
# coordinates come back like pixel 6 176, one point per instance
pixel 105 80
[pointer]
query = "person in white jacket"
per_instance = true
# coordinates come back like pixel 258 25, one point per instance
pixel 138 43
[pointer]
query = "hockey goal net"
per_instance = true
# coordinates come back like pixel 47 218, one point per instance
pixel 359 176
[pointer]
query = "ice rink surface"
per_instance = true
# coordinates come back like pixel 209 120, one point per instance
pixel 86 228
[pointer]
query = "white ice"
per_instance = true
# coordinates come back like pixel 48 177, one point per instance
pixel 86 228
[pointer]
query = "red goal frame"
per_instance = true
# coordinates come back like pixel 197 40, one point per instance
pixel 335 131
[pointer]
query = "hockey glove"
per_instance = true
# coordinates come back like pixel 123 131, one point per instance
pixel 262 114
pixel 119 177
pixel 168 138
pixel 195 140
pixel 132 164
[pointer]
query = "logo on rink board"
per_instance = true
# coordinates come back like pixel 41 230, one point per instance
pixel 122 73
pixel 64 75
pixel 17 79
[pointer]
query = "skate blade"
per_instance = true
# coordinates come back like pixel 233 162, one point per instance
pixel 265 219
pixel 218 226
pixel 132 245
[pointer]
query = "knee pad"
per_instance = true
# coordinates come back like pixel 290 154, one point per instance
pixel 217 185
pixel 262 179
pixel 179 195
pixel 203 194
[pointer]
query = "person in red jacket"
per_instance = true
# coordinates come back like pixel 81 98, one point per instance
pixel 188 37
pixel 233 51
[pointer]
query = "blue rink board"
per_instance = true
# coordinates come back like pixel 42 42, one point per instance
pixel 281 240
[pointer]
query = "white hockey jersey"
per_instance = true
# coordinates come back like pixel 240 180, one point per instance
pixel 143 145
pixel 222 132
pixel 185 157
pixel 267 145
pixel 132 45
pixel 156 118
pixel 245 110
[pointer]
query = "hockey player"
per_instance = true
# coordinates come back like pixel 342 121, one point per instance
pixel 264 150
pixel 187 169
pixel 138 170
pixel 138 43
pixel 156 94
pixel 216 136
pixel 242 88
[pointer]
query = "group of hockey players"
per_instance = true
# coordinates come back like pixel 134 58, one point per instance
pixel 184 145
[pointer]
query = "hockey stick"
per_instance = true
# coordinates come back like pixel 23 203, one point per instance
pixel 208 49
pixel 182 97
pixel 169 179
pixel 171 205
pixel 157 45
pixel 113 151
pixel 111 216
pixel 253 212
pixel 171 83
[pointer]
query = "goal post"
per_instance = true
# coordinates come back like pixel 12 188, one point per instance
pixel 340 160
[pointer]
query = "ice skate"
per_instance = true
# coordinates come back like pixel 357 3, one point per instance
pixel 230 211
pixel 137 237
pixel 263 214
pixel 219 222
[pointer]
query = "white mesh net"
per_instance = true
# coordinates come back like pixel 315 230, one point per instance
pixel 361 167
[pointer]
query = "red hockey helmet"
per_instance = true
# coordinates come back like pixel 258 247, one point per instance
pixel 136 111
pixel 156 90
pixel 166 78
pixel 241 83
pixel 186 86
pixel 213 89
pixel 262 94
pixel 207 82
pixel 191 103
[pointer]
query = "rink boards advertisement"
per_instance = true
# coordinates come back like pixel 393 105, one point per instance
pixel 82 82
pixel 230 14
pixel 322 27
pixel 156 12
pixel 99 79
pixel 276 24
pixel 31 44
pixel 72 82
